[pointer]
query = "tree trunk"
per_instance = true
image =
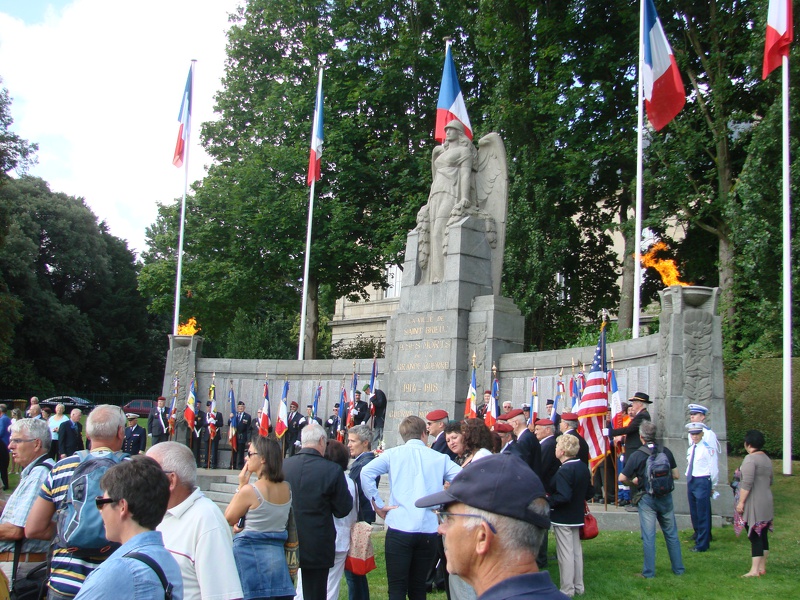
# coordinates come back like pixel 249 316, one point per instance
pixel 726 274
pixel 312 319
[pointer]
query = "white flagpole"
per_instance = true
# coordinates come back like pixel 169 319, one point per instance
pixel 304 305
pixel 637 258
pixel 787 281
pixel 178 275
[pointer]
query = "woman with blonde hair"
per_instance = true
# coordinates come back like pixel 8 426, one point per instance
pixel 53 423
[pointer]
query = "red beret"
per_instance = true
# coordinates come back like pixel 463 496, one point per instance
pixel 502 427
pixel 436 415
pixel 293 403
pixel 510 414
pixel 162 398
pixel 569 416
pixel 487 392
pixel 544 422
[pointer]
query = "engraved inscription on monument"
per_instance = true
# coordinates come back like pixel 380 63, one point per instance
pixel 424 348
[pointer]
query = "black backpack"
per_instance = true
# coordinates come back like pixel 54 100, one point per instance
pixel 658 480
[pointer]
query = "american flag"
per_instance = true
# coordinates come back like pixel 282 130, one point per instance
pixel 594 405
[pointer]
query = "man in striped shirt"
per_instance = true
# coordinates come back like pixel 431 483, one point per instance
pixel 105 426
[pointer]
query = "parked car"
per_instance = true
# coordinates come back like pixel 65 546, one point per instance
pixel 69 403
pixel 139 407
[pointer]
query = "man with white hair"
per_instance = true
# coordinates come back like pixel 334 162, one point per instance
pixel 319 493
pixel 29 445
pixel 194 529
pixel 527 444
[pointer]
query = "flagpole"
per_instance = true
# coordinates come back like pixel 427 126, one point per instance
pixel 637 258
pixel 787 281
pixel 178 275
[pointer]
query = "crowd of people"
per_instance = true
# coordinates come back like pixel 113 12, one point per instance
pixel 448 504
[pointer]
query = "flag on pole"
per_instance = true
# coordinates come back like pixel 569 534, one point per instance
pixel 469 408
pixel 490 418
pixel 561 394
pixel 234 420
pixel 211 416
pixel 534 400
pixel 342 413
pixel 263 423
pixel 451 101
pixel 372 383
pixel 616 398
pixel 185 120
pixel 173 409
pixel 664 95
pixel 573 393
pixel 779 35
pixel 594 405
pixel 317 394
pixel 352 403
pixel 191 405
pixel 314 157
pixel 282 424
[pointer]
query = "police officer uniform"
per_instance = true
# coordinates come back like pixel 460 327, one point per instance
pixel 702 473
pixel 135 441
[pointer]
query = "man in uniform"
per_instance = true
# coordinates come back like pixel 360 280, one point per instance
pixel 360 409
pixel 507 441
pixel 481 412
pixel 569 425
pixel 507 406
pixel 135 436
pixel 555 418
pixel 158 422
pixel 243 422
pixel 702 474
pixel 546 434
pixel 379 403
pixel 436 420
pixel 295 424
pixel 196 437
pixel 528 445
pixel 310 415
pixel 332 424
pixel 214 423
pixel 639 402
pixel 698 414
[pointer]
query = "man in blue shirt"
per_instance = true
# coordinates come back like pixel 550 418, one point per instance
pixel 414 471
pixel 134 500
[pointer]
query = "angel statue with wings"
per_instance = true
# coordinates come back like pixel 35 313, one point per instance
pixel 466 182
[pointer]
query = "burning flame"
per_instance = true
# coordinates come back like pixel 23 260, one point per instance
pixel 665 266
pixel 188 328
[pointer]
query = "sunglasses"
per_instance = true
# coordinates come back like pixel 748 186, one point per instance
pixel 100 501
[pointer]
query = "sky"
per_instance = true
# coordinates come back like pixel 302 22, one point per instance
pixel 98 84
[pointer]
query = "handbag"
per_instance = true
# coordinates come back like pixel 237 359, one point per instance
pixel 361 555
pixel 34 585
pixel 590 529
pixel 291 547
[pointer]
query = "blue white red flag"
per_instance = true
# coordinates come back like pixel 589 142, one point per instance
pixel 492 412
pixel 234 420
pixel 314 164
pixel 191 405
pixel 282 424
pixel 372 383
pixel 470 411
pixel 779 35
pixel 594 405
pixel 173 409
pixel 342 413
pixel 561 394
pixel 317 394
pixel 451 101
pixel 185 120
pixel 211 415
pixel 534 400
pixel 664 95
pixel 616 398
pixel 263 423
pixel 352 403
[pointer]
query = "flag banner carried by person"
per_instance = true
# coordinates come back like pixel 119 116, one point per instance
pixel 561 394
pixel 616 398
pixel 534 400
pixel 574 394
pixel 342 413
pixel 664 95
pixel 211 418
pixel 263 422
pixel 173 409
pixel 234 419
pixel 282 424
pixel 470 411
pixel 490 418
pixel 317 394
pixel 594 405
pixel 451 101
pixel 315 154
pixel 780 34
pixel 352 402
pixel 373 381
pixel 191 405
pixel 185 120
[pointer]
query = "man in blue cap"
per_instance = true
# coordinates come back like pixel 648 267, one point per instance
pixel 698 414
pixel 491 536
pixel 702 474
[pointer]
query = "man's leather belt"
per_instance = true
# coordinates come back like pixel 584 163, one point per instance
pixel 24 557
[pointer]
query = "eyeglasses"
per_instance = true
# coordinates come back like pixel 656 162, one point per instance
pixel 249 454
pixel 100 501
pixel 19 440
pixel 444 516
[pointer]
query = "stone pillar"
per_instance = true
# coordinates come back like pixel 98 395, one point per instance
pixel 184 351
pixel 690 371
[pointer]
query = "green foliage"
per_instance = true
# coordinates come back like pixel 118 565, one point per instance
pixel 267 337
pixel 361 347
pixel 15 153
pixel 754 400
pixel 591 333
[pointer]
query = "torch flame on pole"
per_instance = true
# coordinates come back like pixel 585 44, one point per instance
pixel 188 328
pixel 666 267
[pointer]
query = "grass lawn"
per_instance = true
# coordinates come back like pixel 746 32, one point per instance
pixel 612 560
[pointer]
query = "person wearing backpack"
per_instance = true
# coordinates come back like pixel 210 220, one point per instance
pixel 652 469
pixel 70 489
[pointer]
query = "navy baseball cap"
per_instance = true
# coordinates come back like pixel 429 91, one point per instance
pixel 501 483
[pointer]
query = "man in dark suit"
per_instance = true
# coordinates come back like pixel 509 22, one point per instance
pixel 295 424
pixel 436 421
pixel 508 443
pixel 212 444
pixel 195 438
pixel 379 402
pixel 639 402
pixel 319 493
pixel 555 418
pixel 332 424
pixel 545 433
pixel 70 439
pixel 360 409
pixel 243 432
pixel 310 415
pixel 569 424
pixel 158 422
pixel 528 445
pixel 135 436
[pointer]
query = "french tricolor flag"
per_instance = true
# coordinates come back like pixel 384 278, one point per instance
pixel 185 119
pixel 779 35
pixel 451 101
pixel 316 138
pixel 664 95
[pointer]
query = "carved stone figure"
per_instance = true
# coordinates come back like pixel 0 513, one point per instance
pixel 466 182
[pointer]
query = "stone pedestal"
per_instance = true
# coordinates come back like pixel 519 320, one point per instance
pixel 184 350
pixel 438 327
pixel 691 372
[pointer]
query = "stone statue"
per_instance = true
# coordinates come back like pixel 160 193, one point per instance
pixel 466 182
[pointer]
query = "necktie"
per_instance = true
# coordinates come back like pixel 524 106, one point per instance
pixel 691 464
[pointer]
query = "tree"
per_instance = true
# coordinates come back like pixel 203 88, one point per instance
pixel 15 152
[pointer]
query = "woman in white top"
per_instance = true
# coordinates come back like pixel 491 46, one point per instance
pixel 54 423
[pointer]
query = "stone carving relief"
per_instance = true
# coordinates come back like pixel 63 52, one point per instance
pixel 697 343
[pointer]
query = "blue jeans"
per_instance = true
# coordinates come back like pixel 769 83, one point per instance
pixel 357 585
pixel 699 492
pixel 650 510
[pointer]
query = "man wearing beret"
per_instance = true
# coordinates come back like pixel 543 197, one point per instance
pixel 546 434
pixel 492 537
pixel 639 402
pixel 569 425
pixel 436 421
pixel 527 443
pixel 295 423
